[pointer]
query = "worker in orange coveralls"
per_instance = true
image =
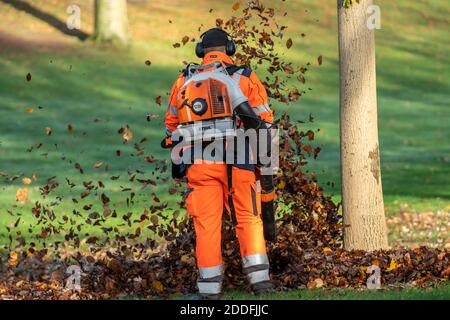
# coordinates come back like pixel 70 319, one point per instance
pixel 209 182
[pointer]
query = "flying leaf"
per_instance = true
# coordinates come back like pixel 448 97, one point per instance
pixel 22 194
pixel 127 134
pixel 289 43
pixel 158 100
pixel 98 165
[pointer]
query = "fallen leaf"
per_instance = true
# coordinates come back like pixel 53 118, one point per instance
pixel 13 259
pixel 158 286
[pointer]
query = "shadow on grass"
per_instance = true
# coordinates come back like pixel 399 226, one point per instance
pixel 46 17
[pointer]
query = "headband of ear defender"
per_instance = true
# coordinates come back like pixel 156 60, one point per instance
pixel 215 37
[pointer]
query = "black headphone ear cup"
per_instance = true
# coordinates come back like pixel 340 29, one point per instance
pixel 230 48
pixel 199 51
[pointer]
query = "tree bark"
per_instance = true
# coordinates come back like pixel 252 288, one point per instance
pixel 111 21
pixel 362 195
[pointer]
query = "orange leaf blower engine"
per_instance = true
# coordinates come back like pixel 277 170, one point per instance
pixel 204 107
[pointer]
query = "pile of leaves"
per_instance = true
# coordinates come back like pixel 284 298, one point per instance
pixel 151 252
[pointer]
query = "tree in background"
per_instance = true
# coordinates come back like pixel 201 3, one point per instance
pixel 362 195
pixel 111 21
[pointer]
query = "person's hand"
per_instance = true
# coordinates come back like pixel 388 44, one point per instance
pixel 167 143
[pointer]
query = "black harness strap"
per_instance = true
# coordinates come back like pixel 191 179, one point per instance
pixel 230 194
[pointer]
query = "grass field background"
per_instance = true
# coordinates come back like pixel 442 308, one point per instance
pixel 77 82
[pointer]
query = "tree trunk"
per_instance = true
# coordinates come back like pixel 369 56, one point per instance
pixel 362 195
pixel 111 21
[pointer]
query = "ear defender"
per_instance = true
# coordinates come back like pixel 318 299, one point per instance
pixel 230 47
pixel 199 50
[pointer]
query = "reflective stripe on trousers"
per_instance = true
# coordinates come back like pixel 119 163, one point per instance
pixel 210 280
pixel 256 267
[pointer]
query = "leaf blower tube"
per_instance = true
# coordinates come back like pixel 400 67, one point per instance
pixel 250 120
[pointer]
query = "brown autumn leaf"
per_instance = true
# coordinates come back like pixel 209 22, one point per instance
pixel 307 148
pixel 78 167
pixel 289 43
pixel 98 165
pixel 316 152
pixel 158 100
pixel 22 194
pixel 236 6
pixel 158 286
pixel 176 45
pixel 29 110
pixel 185 40
pixel 13 258
pixel 106 211
pixel 310 135
pixel 319 60
pixel 127 134
pixel 318 283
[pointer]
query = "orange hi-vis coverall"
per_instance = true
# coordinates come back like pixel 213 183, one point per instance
pixel 207 195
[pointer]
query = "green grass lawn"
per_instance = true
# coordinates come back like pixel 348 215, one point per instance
pixel 440 293
pixel 78 83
